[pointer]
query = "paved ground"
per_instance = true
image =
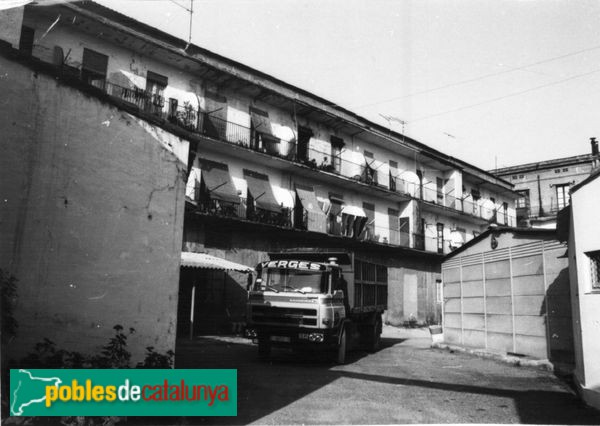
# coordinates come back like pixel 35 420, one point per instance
pixel 405 382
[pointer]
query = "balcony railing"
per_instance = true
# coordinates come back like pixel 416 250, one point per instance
pixel 374 173
pixel 534 211
pixel 241 210
pixel 312 222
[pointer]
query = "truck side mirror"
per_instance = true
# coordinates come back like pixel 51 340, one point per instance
pixel 338 294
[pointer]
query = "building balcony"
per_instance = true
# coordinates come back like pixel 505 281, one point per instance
pixel 302 220
pixel 379 176
pixel 241 211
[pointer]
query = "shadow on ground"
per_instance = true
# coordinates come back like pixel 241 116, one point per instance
pixel 265 387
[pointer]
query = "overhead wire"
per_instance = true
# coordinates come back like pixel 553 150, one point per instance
pixel 481 77
pixel 510 95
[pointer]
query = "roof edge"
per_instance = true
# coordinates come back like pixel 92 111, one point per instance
pixel 499 230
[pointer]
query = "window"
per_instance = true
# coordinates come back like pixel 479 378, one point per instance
pixel 26 41
pixel 440 190
pixel 523 200
pixel 94 68
pixel 393 173
pixel 515 177
pixel 440 238
pixel 369 229
pixel 334 217
pixel 304 135
pixel 173 104
pixel 505 212
pixel 521 176
pixel 594 257
pixel 336 153
pixel 370 174
pixel 439 291
pixel 556 170
pixel 562 195
pixel 155 87
pixel 566 169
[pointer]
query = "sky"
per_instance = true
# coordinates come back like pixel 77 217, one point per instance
pixel 492 83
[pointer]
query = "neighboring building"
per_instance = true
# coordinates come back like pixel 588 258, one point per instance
pixel 584 268
pixel 269 167
pixel 543 187
pixel 508 291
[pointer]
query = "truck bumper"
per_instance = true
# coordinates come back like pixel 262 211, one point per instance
pixel 297 338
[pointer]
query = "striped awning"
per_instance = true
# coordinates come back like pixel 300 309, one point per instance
pixel 206 261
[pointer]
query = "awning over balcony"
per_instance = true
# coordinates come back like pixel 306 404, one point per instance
pixel 317 219
pixel 217 181
pixel 206 261
pixel 308 198
pixel 260 189
pixel 353 211
pixel 261 122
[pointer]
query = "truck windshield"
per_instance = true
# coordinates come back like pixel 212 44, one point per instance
pixel 300 281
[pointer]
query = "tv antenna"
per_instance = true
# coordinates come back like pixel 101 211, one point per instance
pixel 390 118
pixel 191 12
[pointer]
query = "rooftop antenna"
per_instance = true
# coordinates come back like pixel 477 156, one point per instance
pixel 389 119
pixel 191 11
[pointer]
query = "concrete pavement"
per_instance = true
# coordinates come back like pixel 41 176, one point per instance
pixel 405 382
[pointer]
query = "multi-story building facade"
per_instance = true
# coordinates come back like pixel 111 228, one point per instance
pixel 543 187
pixel 270 166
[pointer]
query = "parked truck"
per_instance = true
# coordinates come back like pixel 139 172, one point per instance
pixel 319 301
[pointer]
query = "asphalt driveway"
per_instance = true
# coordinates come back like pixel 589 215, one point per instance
pixel 405 382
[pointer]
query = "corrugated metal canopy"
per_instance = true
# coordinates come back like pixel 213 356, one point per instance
pixel 206 261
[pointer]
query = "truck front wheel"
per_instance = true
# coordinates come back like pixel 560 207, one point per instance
pixel 264 349
pixel 341 349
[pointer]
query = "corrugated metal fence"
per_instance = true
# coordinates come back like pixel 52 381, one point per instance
pixel 515 300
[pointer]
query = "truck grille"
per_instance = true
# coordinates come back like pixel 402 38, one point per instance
pixel 279 315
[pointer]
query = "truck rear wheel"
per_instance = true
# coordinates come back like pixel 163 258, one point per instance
pixel 341 349
pixel 374 338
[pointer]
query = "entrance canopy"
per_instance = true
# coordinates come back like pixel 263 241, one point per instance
pixel 206 261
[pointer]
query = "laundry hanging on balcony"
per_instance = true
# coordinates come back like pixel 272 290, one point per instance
pixel 353 221
pixel 316 219
pixel 261 192
pixel 217 181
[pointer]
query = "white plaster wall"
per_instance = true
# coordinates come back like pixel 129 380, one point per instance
pixel 127 67
pixel 586 233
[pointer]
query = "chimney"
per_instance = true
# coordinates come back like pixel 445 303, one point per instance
pixel 594 143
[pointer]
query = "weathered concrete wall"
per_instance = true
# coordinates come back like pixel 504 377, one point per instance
pixel 585 238
pixel 10 25
pixel 415 276
pixel 510 299
pixel 91 217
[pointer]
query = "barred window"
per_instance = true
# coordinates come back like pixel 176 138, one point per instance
pixel 594 257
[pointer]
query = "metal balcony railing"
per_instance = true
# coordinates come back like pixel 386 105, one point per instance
pixel 373 173
pixel 535 210
pixel 214 207
pixel 284 219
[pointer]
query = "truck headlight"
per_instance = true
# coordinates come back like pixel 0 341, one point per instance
pixel 316 337
pixel 250 333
